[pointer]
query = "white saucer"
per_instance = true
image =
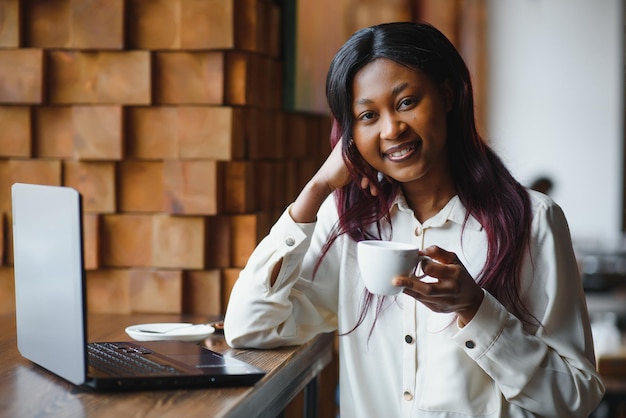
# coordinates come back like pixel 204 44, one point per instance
pixel 181 331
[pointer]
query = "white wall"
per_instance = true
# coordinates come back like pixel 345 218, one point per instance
pixel 556 104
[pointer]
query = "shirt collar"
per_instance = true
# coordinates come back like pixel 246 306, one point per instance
pixel 453 211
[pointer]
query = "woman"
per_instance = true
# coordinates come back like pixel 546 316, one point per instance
pixel 502 332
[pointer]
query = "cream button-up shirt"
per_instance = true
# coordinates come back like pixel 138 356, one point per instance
pixel 413 362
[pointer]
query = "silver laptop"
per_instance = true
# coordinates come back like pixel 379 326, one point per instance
pixel 51 310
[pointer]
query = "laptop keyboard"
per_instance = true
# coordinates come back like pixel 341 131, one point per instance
pixel 125 360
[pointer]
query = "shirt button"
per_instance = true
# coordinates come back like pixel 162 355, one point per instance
pixel 418 231
pixel 408 339
pixel 470 344
pixel 290 241
pixel 408 396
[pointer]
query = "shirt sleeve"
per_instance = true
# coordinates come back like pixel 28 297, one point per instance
pixel 298 306
pixel 550 370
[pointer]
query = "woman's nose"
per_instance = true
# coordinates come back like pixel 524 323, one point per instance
pixel 391 127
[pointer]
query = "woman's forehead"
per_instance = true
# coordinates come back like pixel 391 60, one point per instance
pixel 383 75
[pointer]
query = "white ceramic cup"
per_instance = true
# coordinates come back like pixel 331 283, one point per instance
pixel 381 261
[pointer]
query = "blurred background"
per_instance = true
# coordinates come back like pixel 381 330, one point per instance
pixel 189 125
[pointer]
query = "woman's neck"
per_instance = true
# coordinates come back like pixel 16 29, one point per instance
pixel 427 199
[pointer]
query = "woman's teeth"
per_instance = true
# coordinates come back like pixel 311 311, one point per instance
pixel 399 153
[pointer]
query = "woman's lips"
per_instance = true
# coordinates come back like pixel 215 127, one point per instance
pixel 401 152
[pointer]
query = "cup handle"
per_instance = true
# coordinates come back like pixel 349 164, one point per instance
pixel 418 266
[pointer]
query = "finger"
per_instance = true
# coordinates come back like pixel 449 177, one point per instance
pixel 365 183
pixel 417 286
pixel 439 254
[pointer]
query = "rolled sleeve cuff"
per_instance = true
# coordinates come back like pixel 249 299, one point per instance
pixel 484 329
pixel 291 240
pixel 289 236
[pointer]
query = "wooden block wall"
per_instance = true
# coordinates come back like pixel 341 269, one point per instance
pixel 166 115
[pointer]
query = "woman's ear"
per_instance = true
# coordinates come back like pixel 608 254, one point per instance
pixel 448 94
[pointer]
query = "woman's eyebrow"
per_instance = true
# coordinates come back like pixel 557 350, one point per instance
pixel 363 101
pixel 395 91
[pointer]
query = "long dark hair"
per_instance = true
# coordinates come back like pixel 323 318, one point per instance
pixel 484 185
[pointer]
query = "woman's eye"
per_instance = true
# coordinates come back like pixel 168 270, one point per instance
pixel 404 103
pixel 367 116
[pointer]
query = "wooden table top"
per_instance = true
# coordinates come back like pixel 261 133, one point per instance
pixel 27 390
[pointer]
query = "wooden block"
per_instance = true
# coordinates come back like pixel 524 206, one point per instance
pixel 95 181
pixel 108 291
pixel 10 24
pixel 247 231
pixel 91 241
pixel 444 15
pixel 264 185
pixel 272 30
pixel 238 183
pixel 72 77
pixel 140 186
pixel 202 292
pixel 229 277
pixel 194 24
pixel 297 146
pixel 7 291
pixel 97 24
pixel 190 187
pixel 178 242
pixel 156 291
pixel 213 133
pixel 34 171
pixel 126 240
pixel 15 124
pixel 292 181
pixel 272 88
pixel 53 132
pixel 155 24
pixel 48 24
pixel 75 24
pixel 8 240
pixel 263 28
pixel 207 24
pixel 218 241
pixel 243 79
pixel 324 128
pixel 247 25
pixel 314 140
pixel 219 24
pixel 97 132
pixel 267 141
pixel 152 132
pixel 21 76
pixel 5 187
pixel 189 78
pixel 279 198
pixel 256 130
pixel 104 77
pixel 124 77
pixel 3 237
pixel 275 137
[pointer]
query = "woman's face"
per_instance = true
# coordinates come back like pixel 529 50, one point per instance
pixel 400 121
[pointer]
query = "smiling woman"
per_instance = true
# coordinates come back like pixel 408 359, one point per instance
pixel 400 130
pixel 500 326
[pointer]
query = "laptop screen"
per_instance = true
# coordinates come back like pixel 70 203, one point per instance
pixel 49 278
